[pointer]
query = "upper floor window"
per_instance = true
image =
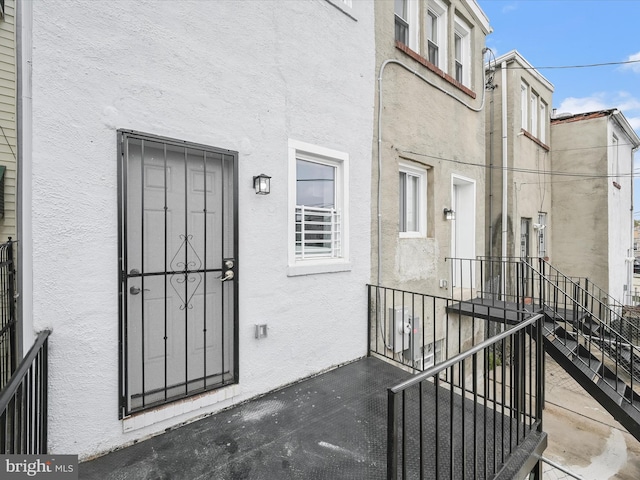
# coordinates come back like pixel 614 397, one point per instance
pixel 524 102
pixel 543 122
pixel 401 11
pixel 318 220
pixel 534 114
pixel 436 27
pixel 412 194
pixel 462 48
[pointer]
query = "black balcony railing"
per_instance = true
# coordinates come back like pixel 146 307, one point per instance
pixel 8 336
pixel 477 397
pixel 23 403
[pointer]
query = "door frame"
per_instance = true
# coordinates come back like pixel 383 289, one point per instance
pixel 463 192
pixel 122 191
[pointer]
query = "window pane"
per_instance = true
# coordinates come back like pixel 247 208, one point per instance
pixel 409 203
pixel 402 197
pixel 400 8
pixel 315 184
pixel 412 203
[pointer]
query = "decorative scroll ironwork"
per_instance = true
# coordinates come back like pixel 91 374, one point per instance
pixel 188 271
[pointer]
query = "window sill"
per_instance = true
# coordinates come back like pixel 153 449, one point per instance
pixel 344 8
pixel 313 267
pixel 535 139
pixel 412 235
pixel 423 61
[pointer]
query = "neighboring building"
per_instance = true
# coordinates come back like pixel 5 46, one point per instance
pixel 144 150
pixel 429 142
pixel 592 223
pixel 518 186
pixel 8 131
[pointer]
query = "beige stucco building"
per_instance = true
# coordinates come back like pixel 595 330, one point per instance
pixel 8 148
pixel 428 141
pixel 592 222
pixel 518 186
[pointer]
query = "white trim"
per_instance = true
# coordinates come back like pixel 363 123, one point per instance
pixel 524 105
pixel 421 173
pixel 543 121
pixel 440 11
pixel 534 113
pixel 464 33
pixel 340 160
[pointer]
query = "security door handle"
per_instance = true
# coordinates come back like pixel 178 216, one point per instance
pixel 136 290
pixel 228 275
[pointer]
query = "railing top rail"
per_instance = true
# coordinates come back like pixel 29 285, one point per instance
pixel 16 378
pixel 382 287
pixel 436 369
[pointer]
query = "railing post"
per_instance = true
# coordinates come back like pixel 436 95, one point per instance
pixel 392 436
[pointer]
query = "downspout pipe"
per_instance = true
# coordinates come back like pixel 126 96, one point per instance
pixel 379 183
pixel 24 283
pixel 505 216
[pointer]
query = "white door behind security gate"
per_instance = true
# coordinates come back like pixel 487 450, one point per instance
pixel 179 270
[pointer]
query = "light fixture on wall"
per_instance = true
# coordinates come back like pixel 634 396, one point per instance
pixel 449 214
pixel 262 184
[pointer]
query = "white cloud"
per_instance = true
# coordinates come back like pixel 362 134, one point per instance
pixel 634 122
pixel 510 7
pixel 582 105
pixel 634 67
pixel 623 101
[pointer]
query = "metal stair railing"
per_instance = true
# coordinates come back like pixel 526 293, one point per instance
pixel 563 308
pixel 600 307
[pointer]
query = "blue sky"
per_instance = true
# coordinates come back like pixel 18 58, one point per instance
pixel 576 32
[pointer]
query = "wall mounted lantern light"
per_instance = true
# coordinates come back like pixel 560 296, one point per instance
pixel 262 184
pixel 449 214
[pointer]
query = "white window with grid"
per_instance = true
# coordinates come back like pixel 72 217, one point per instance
pixel 541 227
pixel 318 218
pixel 412 196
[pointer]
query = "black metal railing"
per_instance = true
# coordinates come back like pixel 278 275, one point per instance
pixel 416 331
pixel 467 416
pixel 8 327
pixel 23 403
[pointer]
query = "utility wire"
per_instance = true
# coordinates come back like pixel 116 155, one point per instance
pixel 520 170
pixel 589 65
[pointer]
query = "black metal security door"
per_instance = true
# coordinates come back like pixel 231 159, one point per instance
pixel 178 269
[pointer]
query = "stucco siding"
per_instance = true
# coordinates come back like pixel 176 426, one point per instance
pixel 580 204
pixel 240 75
pixel 441 133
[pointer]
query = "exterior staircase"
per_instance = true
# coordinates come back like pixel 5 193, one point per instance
pixel 582 334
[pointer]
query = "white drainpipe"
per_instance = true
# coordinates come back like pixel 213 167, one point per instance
pixel 505 216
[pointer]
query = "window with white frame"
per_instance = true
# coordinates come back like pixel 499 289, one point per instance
pixel 615 160
pixel 318 225
pixel 412 196
pixel 542 234
pixel 406 22
pixel 462 49
pixel 524 101
pixel 534 114
pixel 543 122
pixel 436 28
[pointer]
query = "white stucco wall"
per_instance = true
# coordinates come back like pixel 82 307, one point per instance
pixel 620 213
pixel 240 75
